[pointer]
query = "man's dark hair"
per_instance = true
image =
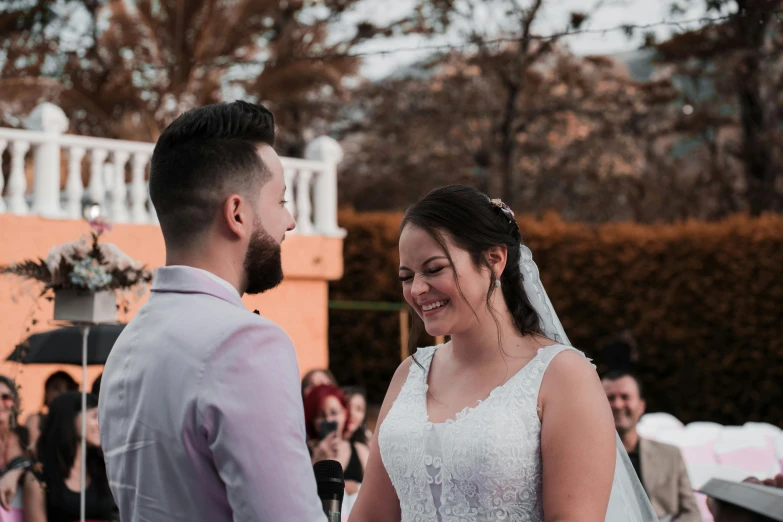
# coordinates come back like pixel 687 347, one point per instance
pixel 202 157
pixel 616 375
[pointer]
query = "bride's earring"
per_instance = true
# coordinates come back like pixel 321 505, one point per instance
pixel 497 283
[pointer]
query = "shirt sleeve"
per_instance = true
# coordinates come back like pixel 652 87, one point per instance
pixel 251 410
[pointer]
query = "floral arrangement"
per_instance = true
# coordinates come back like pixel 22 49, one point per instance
pixel 86 264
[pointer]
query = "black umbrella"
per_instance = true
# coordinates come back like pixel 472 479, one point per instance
pixel 64 346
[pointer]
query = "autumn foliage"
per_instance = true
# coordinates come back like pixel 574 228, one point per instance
pixel 702 299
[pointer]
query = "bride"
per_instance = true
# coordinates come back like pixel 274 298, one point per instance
pixel 505 421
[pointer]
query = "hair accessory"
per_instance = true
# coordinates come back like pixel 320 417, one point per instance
pixel 506 211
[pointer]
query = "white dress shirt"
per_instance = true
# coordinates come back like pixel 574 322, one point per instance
pixel 201 411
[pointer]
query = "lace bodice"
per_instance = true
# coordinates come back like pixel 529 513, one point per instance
pixel 485 465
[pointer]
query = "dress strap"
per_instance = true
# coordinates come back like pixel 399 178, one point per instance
pixel 416 382
pixel 424 356
pixel 545 357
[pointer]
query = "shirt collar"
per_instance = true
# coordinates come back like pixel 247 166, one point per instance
pixel 215 278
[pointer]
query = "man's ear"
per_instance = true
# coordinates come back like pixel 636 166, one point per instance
pixel 236 215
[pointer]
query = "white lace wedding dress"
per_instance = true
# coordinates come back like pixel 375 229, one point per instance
pixel 485 465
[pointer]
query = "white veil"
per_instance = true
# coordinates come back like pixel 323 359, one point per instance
pixel 628 502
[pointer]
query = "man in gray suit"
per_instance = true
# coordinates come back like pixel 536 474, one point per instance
pixel 660 467
pixel 200 411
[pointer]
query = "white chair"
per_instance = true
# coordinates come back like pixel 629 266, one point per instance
pixel 700 474
pixel 708 431
pixel 778 445
pixel 771 432
pixel 695 444
pixel 652 423
pixel 689 436
pixel 750 450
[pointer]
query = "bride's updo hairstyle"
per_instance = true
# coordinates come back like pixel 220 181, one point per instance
pixel 475 224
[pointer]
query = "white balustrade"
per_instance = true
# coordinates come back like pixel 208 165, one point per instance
pixel 119 193
pixel 304 225
pixel 329 153
pixel 138 191
pixel 107 174
pixel 74 189
pixel 311 184
pixel 96 188
pixel 17 182
pixel 49 119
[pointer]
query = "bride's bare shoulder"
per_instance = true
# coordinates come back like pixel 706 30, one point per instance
pixel 402 371
pixel 571 364
pixel 570 375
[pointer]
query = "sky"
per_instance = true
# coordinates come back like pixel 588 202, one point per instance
pixel 613 13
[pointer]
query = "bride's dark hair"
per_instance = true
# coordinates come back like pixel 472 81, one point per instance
pixel 475 224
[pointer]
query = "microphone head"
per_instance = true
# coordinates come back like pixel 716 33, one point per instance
pixel 330 480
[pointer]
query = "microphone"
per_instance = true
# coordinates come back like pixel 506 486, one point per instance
pixel 331 487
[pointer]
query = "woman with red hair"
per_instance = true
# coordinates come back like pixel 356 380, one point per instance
pixel 326 420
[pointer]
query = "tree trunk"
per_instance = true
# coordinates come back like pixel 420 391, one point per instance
pixel 757 157
pixel 508 145
pixel 756 133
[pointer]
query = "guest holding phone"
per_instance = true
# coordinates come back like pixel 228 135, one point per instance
pixel 326 420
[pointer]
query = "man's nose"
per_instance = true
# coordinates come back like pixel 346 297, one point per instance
pixel 291 223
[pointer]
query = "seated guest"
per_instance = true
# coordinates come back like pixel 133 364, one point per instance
pixel 58 470
pixel 326 421
pixel 660 467
pixel 315 378
pixel 57 383
pixel 356 428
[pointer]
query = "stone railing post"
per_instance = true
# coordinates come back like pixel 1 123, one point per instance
pixel 51 119
pixel 327 151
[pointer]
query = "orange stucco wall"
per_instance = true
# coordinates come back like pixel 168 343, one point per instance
pixel 299 305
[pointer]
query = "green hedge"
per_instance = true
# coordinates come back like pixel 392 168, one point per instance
pixel 704 301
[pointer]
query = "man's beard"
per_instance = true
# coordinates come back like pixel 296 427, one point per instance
pixel 263 264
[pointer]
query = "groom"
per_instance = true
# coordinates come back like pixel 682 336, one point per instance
pixel 200 413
